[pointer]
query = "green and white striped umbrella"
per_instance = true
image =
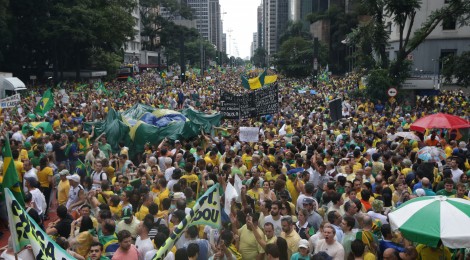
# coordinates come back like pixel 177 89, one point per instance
pixel 427 220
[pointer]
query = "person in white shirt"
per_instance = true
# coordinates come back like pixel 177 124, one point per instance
pixel 98 175
pixel 94 154
pixel 275 217
pixel 17 134
pixel 143 242
pixel 168 168
pixel 159 241
pixel 329 245
pixel 30 172
pixel 38 199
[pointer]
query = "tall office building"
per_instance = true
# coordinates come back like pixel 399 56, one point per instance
pixel 132 47
pixel 201 13
pixel 276 17
pixel 216 26
pixel 259 26
pixel 254 44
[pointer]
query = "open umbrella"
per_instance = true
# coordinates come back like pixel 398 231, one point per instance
pixel 431 153
pixel 439 120
pixel 427 220
pixel 408 135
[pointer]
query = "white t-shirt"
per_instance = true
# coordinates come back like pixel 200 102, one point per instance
pixel 143 246
pixel 95 176
pixel 39 200
pixel 456 175
pixel 276 223
pixel 150 254
pixel 335 250
pixel 168 173
pixel 31 173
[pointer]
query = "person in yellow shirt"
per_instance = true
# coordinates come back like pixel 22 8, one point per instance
pixel 45 180
pixel 164 193
pixel 63 188
pixel 18 164
pixel 211 158
pixel 431 253
pixel 247 158
pixel 144 210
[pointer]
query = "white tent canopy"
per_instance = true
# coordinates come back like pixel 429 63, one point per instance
pixel 13 84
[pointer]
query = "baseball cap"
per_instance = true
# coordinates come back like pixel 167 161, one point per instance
pixel 283 194
pixel 126 213
pixel 420 192
pixel 75 178
pixel 307 201
pixel 32 181
pixel 177 141
pixel 303 243
pixel 64 172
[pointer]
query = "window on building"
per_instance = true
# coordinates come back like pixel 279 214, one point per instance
pixel 449 23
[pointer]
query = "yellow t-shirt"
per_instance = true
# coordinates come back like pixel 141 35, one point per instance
pixel 429 253
pixel 143 211
pixel 19 170
pixel 247 161
pixel 292 190
pixel 23 155
pixel 43 176
pixel 249 247
pixel 63 189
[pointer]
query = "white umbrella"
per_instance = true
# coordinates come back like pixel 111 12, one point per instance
pixel 408 135
pixel 428 220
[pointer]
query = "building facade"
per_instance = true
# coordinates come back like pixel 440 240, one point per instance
pixel 133 46
pixel 446 39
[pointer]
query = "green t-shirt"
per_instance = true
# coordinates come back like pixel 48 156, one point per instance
pixel 446 193
pixel 106 149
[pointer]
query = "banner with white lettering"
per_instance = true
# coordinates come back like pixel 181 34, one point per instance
pixel 24 231
pixel 249 134
pixel 263 101
pixel 11 101
pixel 206 211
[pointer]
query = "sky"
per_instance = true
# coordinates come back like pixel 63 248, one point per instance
pixel 240 17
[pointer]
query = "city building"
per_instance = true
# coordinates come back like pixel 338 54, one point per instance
pixel 276 18
pixel 216 27
pixel 201 12
pixel 133 46
pixel 446 39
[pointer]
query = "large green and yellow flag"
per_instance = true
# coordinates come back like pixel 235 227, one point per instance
pixel 45 104
pixel 11 179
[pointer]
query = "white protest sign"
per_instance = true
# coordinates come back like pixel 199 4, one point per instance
pixel 12 101
pixel 230 194
pixel 249 134
pixel 238 186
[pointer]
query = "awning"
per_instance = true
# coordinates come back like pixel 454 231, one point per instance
pixel 13 84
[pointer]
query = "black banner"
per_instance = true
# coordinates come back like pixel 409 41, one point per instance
pixel 263 101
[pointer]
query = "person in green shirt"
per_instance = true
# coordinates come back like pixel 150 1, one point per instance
pixel 448 188
pixel 105 147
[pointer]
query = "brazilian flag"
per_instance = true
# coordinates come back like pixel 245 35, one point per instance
pixel 11 179
pixel 45 104
pixel 245 83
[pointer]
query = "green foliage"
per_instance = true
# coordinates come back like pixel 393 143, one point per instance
pixel 295 29
pixel 106 60
pixel 295 57
pixel 378 82
pixel 341 24
pixel 259 57
pixel 457 67
pixel 62 34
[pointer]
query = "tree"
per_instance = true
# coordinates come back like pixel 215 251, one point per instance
pixel 403 13
pixel 62 34
pixel 378 82
pixel 259 57
pixel 457 67
pixel 295 57
pixel 341 23
pixel 153 22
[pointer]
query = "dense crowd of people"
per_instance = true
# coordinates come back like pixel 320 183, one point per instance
pixel 312 188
